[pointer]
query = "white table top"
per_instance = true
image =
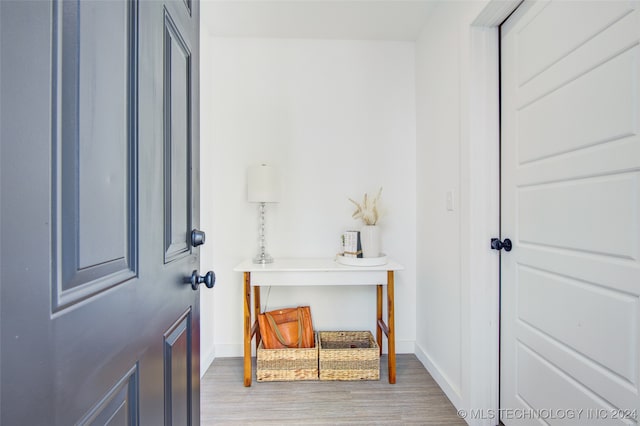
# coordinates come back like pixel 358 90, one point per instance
pixel 312 265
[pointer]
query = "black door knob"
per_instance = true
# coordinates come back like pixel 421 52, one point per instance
pixel 209 279
pixel 496 244
pixel 197 238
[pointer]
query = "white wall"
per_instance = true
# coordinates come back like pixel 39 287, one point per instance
pixel 444 284
pixel 207 201
pixel 337 119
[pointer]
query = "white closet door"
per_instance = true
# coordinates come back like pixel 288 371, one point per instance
pixel 570 187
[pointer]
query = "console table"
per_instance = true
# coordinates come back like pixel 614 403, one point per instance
pixel 317 272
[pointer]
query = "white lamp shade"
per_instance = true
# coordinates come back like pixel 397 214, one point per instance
pixel 263 185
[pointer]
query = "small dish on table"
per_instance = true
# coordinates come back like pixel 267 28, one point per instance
pixel 362 261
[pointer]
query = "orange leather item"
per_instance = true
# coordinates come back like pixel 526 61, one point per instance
pixel 287 328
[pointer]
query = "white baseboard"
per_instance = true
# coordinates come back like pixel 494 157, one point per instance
pixel 452 391
pixel 236 350
pixel 206 360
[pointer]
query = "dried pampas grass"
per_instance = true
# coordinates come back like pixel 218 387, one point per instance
pixel 368 210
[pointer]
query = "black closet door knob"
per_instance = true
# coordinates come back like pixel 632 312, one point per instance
pixel 496 244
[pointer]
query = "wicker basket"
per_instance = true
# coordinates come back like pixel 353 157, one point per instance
pixel 348 355
pixel 282 365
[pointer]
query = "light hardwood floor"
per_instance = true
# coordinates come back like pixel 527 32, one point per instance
pixel 414 399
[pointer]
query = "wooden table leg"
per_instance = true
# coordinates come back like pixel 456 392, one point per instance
pixel 256 312
pixel 391 338
pixel 247 329
pixel 379 316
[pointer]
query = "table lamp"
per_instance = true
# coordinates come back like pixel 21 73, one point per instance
pixel 262 187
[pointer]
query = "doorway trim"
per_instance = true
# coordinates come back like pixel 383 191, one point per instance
pixel 480 178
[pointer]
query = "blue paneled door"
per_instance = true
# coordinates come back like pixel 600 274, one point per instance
pixel 99 197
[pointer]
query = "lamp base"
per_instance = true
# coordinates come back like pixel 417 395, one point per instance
pixel 263 259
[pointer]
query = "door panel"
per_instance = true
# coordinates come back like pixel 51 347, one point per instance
pixel 119 406
pixel 575 300
pixel 545 213
pixel 538 48
pixel 553 124
pixel 105 126
pixel 95 327
pixel 94 145
pixel 570 333
pixel 177 140
pixel 177 371
pixel 535 372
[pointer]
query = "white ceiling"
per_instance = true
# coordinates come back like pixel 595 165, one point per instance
pixel 329 19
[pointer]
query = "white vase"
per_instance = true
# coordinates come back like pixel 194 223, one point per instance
pixel 370 240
